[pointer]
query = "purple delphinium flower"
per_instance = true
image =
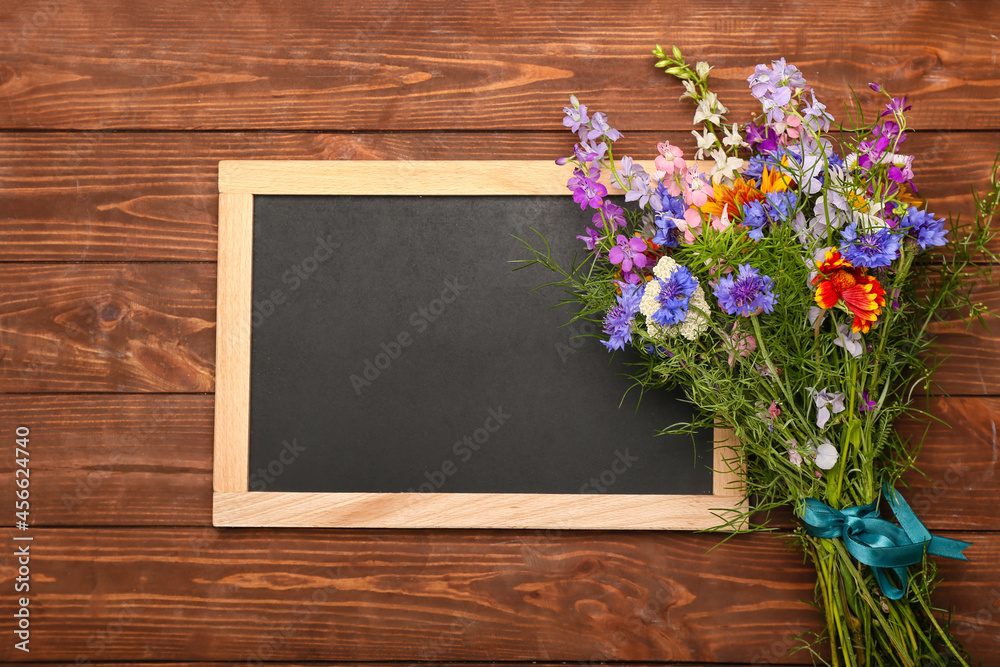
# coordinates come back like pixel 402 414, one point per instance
pixel 924 227
pixel 773 87
pixel 612 213
pixel 628 252
pixel 576 115
pixel 664 202
pixel 867 405
pixel 816 116
pixel 669 210
pixel 618 321
pixel 870 249
pixel 665 234
pixel 898 105
pixel 674 296
pixel 599 122
pixel 877 87
pixel 638 181
pixel 760 137
pixel 586 190
pixel 788 75
pixel 762 81
pixel 592 239
pixel 834 161
pixel 747 293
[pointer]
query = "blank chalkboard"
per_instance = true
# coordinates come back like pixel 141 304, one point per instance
pixel 395 370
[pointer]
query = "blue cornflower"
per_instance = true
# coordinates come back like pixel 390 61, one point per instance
pixel 618 321
pixel 754 168
pixel 928 230
pixel 870 249
pixel 754 219
pixel 781 205
pixel 834 161
pixel 747 293
pixel 673 297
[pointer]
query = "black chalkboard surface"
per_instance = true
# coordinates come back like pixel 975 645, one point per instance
pixel 380 363
pixel 395 349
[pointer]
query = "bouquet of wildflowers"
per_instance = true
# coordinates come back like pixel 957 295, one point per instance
pixel 785 279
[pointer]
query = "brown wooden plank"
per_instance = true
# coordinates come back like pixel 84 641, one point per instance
pixel 110 196
pixel 203 594
pixel 122 460
pixel 107 327
pixel 396 664
pixel 114 459
pixel 189 594
pixel 439 64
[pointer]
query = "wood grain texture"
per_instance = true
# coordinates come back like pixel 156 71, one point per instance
pixel 238 64
pixel 190 594
pixel 110 196
pixel 232 342
pixel 407 177
pixel 519 511
pixel 322 663
pixel 124 460
pixel 107 327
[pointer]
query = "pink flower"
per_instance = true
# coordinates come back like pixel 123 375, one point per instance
pixel 723 223
pixel 773 411
pixel 690 225
pixel 669 160
pixel 794 457
pixel 740 343
pixel 696 188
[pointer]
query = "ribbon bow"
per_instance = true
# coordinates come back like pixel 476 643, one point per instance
pixel 878 543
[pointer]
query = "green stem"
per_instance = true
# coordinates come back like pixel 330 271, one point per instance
pixel 772 369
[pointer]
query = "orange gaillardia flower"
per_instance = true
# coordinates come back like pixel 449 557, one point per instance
pixel 839 281
pixel 730 198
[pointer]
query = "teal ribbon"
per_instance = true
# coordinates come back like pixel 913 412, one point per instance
pixel 881 545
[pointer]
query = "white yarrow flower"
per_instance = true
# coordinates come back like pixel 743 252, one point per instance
pixel 695 323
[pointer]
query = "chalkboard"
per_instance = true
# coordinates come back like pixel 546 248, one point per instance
pixel 395 370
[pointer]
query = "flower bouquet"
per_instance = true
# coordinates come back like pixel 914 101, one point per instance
pixel 788 285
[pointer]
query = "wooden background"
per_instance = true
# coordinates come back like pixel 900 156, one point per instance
pixel 113 117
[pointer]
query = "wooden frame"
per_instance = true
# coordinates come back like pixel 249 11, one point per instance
pixel 234 505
